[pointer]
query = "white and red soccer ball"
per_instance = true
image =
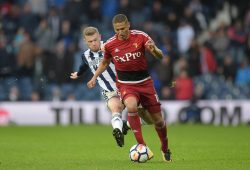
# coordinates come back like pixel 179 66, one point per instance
pixel 138 153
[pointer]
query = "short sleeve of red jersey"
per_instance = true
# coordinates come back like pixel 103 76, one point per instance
pixel 107 54
pixel 146 38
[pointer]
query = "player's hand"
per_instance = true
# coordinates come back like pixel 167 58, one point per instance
pixel 150 45
pixel 73 75
pixel 91 83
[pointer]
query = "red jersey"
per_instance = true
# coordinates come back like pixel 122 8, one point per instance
pixel 129 55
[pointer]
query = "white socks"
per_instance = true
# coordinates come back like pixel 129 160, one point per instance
pixel 116 121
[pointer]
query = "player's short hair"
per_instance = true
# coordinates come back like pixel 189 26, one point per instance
pixel 88 31
pixel 119 18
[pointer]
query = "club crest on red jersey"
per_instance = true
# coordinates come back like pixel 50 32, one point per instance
pixel 135 45
pixel 117 50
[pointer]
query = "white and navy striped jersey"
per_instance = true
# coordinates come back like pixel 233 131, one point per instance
pixel 92 60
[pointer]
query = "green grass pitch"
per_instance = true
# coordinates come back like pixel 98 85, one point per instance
pixel 92 147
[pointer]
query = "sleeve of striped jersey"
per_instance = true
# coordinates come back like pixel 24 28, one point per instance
pixel 83 67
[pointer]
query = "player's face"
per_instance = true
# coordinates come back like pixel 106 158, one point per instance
pixel 122 30
pixel 93 42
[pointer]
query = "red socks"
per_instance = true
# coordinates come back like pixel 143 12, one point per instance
pixel 162 133
pixel 135 124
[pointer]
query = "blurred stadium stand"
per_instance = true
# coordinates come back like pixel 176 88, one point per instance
pixel 40 45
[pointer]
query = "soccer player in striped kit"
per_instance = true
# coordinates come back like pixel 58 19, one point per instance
pixel 127 50
pixel 91 59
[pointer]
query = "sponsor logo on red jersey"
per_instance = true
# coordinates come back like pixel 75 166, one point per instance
pixel 127 57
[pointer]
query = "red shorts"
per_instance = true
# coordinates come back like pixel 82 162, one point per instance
pixel 144 92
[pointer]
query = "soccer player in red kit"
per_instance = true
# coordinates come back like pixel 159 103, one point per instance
pixel 127 50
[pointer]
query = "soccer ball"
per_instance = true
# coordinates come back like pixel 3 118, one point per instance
pixel 138 153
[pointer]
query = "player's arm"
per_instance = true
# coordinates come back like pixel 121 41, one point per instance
pixel 154 50
pixel 82 69
pixel 102 67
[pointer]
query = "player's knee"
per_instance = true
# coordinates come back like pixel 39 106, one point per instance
pixel 132 109
pixel 158 120
pixel 115 106
pixel 159 124
pixel 131 104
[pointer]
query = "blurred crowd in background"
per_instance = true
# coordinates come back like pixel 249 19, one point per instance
pixel 206 43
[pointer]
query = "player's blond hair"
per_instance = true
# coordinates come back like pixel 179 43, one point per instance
pixel 88 31
pixel 119 18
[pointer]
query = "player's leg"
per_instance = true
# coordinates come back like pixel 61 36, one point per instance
pixel 131 102
pixel 150 101
pixel 115 107
pixel 161 129
pixel 146 118
pixel 125 126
